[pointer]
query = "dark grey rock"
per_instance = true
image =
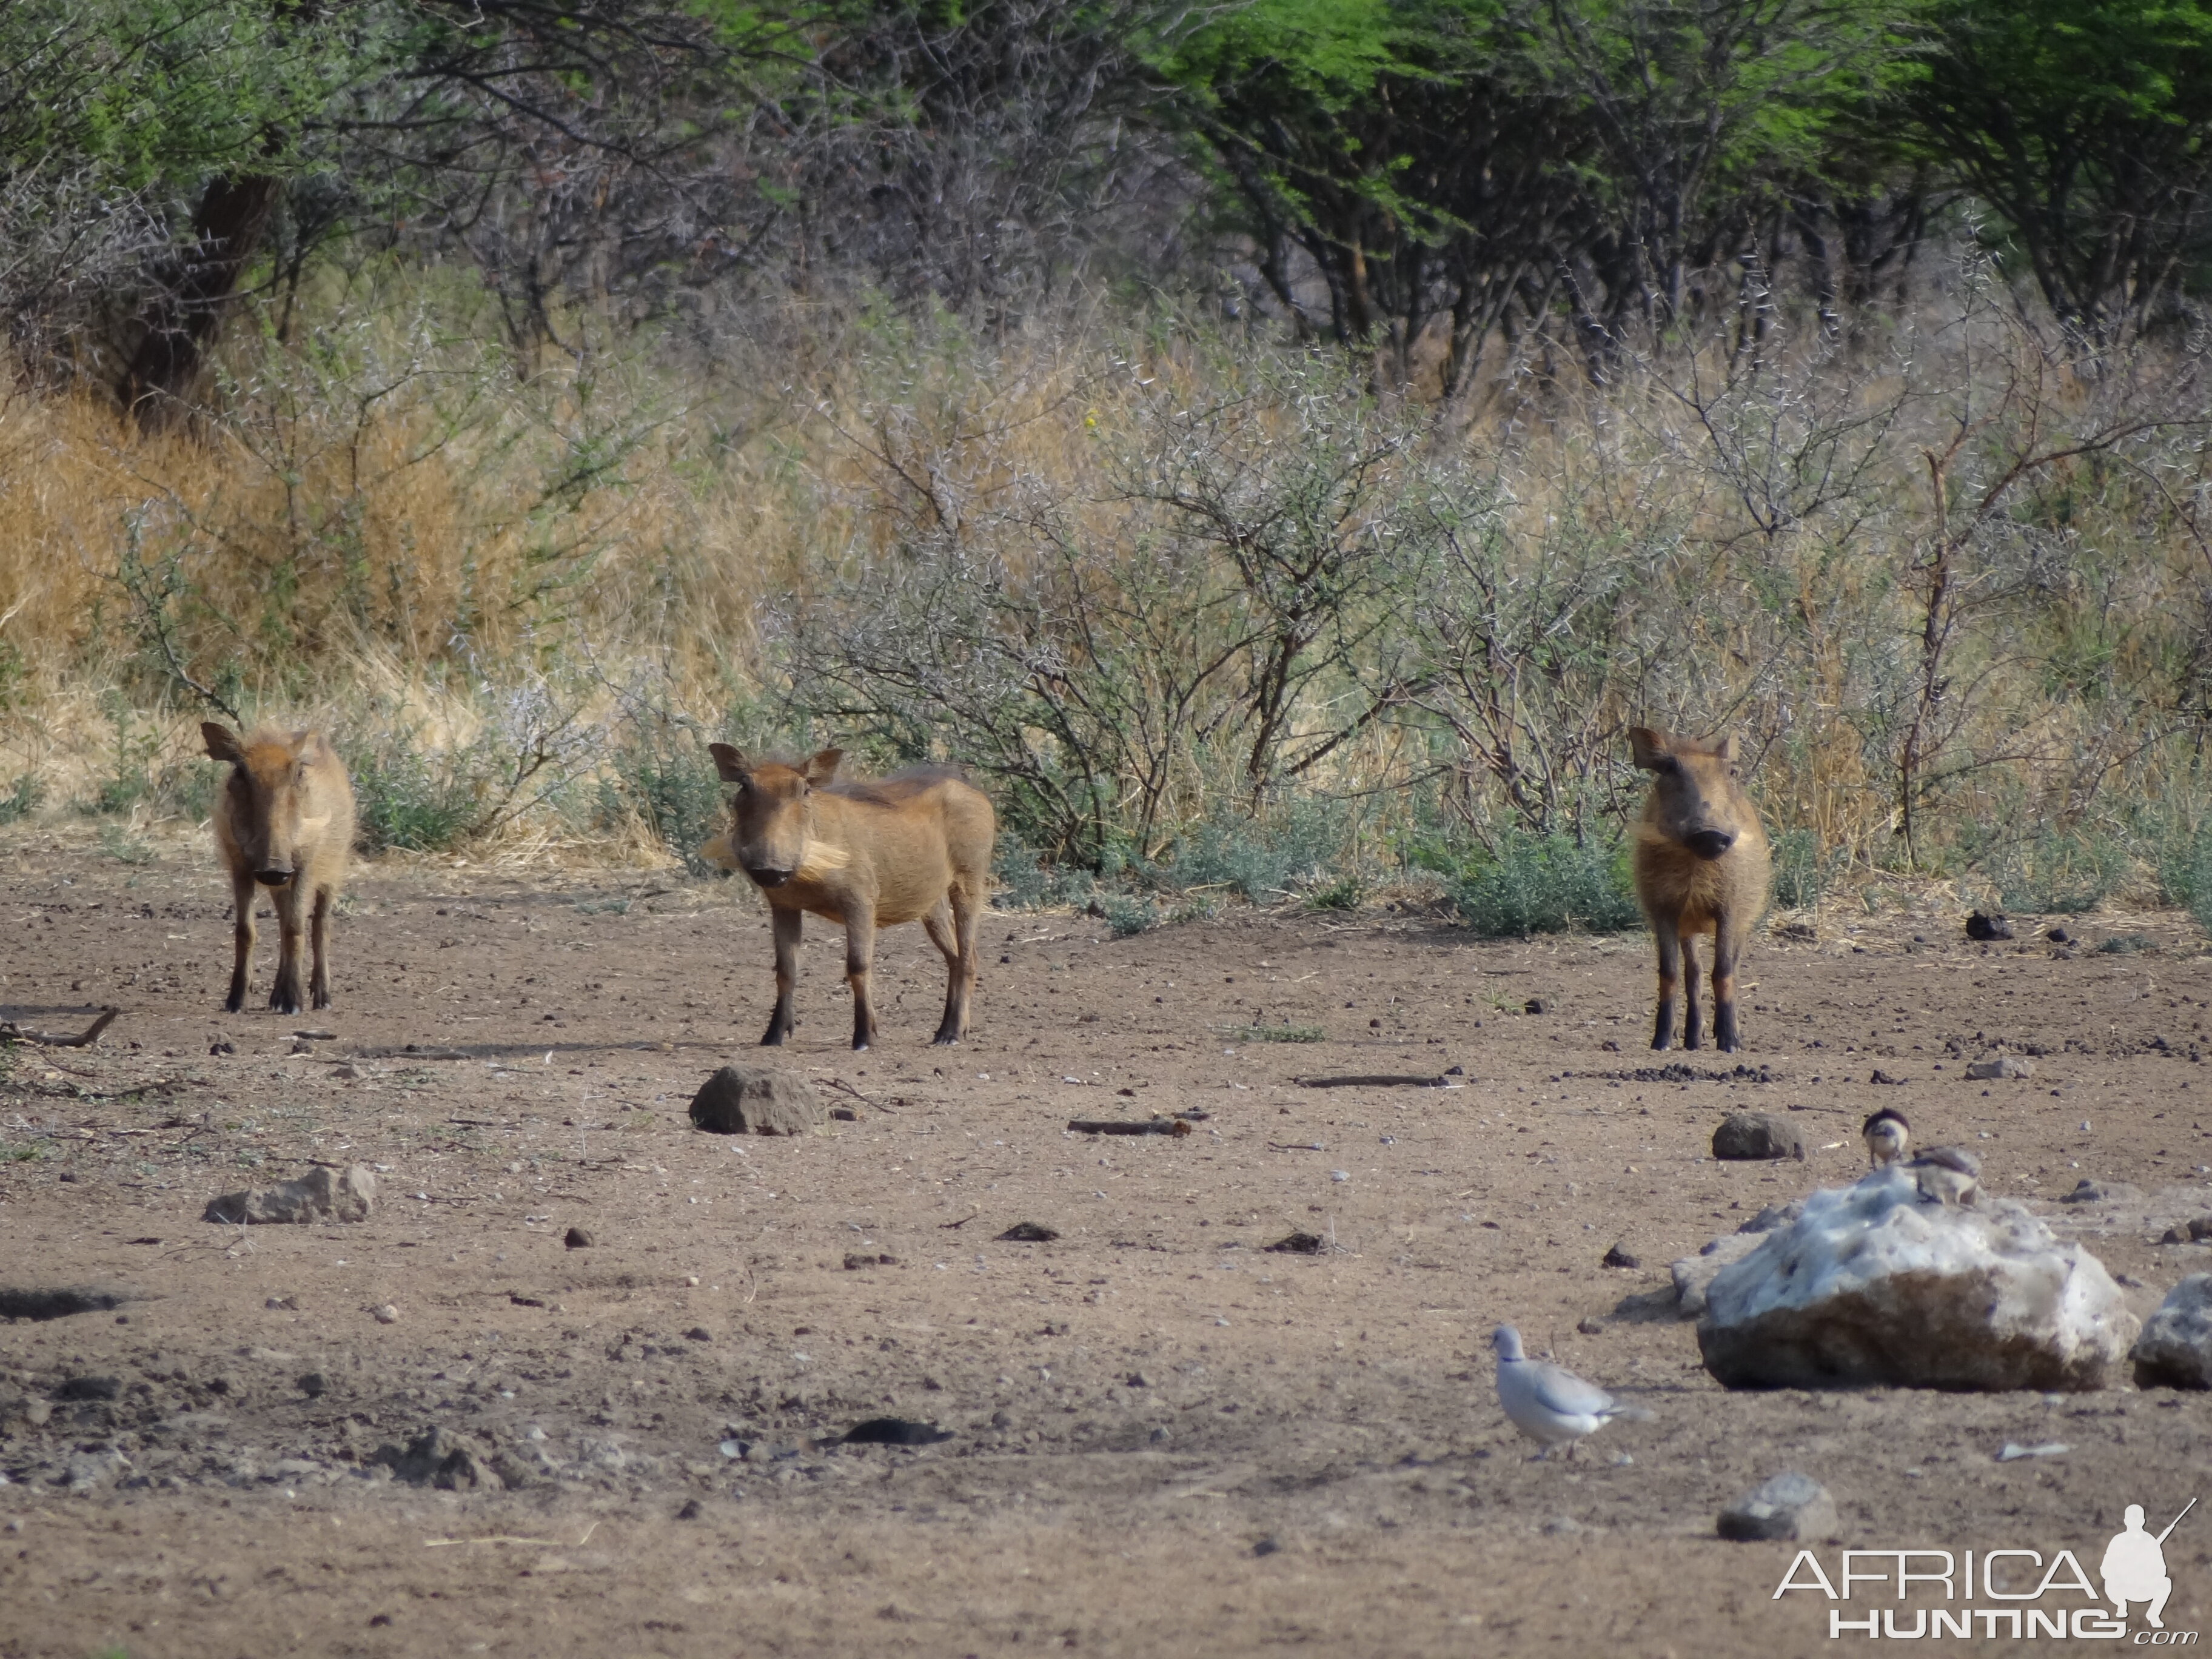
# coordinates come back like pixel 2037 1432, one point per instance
pixel 1757 1135
pixel 1988 927
pixel 755 1100
pixel 1790 1506
pixel 577 1239
pixel 2175 1348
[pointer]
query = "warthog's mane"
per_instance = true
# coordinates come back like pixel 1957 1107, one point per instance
pixel 901 785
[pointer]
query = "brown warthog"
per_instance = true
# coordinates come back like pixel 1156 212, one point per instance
pixel 285 822
pixel 915 847
pixel 1702 866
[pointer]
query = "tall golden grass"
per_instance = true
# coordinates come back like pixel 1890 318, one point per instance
pixel 1948 579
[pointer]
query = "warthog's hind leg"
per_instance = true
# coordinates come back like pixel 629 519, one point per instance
pixel 952 926
pixel 860 959
pixel 787 924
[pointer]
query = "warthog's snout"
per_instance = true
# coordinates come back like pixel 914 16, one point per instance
pixel 1708 843
pixel 272 877
pixel 767 876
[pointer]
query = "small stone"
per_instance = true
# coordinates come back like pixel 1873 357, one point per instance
pixel 314 1385
pixel 844 1115
pixel 1533 1006
pixel 1789 1507
pixel 1749 1135
pixel 691 1510
pixel 2000 1065
pixel 2058 936
pixel 1617 1257
pixel 1137 1380
pixel 698 1333
pixel 755 1100
pixel 1562 1526
pixel 577 1239
pixel 385 1315
pixel 90 1388
pixel 1265 1546
pixel 1027 1232
pixel 1979 926
pixel 1299 1243
pixel 1591 1327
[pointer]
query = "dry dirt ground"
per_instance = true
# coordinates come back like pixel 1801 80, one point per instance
pixel 1163 1439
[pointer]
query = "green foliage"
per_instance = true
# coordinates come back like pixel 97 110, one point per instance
pixel 1343 894
pixel 1129 914
pixel 1546 884
pixel 417 799
pixel 22 798
pixel 2125 945
pixel 2184 871
pixel 663 775
pixel 1801 874
pixel 123 848
pixel 2051 872
pixel 1265 859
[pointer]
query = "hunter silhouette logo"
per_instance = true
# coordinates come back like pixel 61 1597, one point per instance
pixel 2134 1568
pixel 2026 1595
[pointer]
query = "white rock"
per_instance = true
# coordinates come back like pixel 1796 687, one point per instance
pixel 1789 1506
pixel 1872 1285
pixel 1694 1274
pixel 322 1195
pixel 2000 1065
pixel 2175 1348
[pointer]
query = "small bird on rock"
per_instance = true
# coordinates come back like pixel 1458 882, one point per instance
pixel 1886 1135
pixel 1548 1403
pixel 1948 1175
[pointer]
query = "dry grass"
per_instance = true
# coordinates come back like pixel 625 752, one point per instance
pixel 387 530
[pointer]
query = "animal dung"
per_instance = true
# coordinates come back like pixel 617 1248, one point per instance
pixel 755 1100
pixel 322 1195
pixel 894 1431
pixel 1122 1126
pixel 1027 1232
pixel 1745 1136
pixel 1299 1245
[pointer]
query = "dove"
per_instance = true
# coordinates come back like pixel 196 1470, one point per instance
pixel 1886 1135
pixel 1548 1403
pixel 1947 1175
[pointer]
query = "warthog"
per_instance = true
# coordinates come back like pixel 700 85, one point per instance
pixel 285 822
pixel 915 847
pixel 1702 866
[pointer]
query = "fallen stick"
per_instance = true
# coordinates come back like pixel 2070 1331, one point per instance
pixel 1378 1080
pixel 10 1032
pixel 1122 1126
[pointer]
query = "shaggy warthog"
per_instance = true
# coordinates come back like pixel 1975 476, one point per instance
pixel 284 822
pixel 1702 866
pixel 915 847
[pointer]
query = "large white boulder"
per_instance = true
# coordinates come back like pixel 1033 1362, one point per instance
pixel 2175 1349
pixel 1874 1285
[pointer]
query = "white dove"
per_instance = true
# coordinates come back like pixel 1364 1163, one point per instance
pixel 1549 1403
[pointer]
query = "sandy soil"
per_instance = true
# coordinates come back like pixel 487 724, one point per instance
pixel 1163 1439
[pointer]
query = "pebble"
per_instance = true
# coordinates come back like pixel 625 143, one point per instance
pixel 577 1239
pixel 1789 1506
pixel 386 1315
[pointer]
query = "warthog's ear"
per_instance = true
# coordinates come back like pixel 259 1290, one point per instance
pixel 823 767
pixel 223 743
pixel 1725 749
pixel 730 762
pixel 1649 748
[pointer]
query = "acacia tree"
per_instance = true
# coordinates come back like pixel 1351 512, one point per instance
pixel 2087 124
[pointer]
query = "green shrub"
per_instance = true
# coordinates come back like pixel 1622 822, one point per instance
pixel 1261 860
pixel 1275 1034
pixel 1026 882
pixel 22 798
pixel 1343 894
pixel 1801 875
pixel 1546 884
pixel 2053 873
pixel 2125 945
pixel 416 800
pixel 1127 913
pixel 669 781
pixel 2184 871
